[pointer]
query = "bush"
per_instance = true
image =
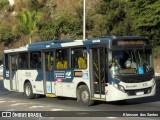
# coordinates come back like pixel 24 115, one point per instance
pixel 6 34
pixel 4 5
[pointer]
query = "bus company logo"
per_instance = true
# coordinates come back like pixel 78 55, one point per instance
pixel 140 70
pixel 6 114
pixel 131 86
pixel 68 74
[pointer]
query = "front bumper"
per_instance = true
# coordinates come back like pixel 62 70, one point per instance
pixel 116 95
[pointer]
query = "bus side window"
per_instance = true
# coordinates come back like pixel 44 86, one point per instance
pixel 35 59
pixel 23 60
pixel 62 59
pixel 79 58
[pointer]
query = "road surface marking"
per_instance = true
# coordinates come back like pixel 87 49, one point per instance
pixel 12 101
pixel 56 109
pixel 2 101
pixel 16 104
pixel 37 106
pixel 10 110
pixel 112 117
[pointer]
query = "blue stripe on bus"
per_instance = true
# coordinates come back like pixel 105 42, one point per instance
pixel 40 75
pixel 49 76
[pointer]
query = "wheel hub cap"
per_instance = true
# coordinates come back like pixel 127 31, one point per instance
pixel 85 96
pixel 28 90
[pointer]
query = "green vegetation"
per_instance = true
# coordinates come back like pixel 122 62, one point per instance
pixel 6 33
pixel 60 19
pixel 27 22
pixel 4 5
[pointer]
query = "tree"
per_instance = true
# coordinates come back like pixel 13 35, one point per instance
pixel 4 10
pixel 146 18
pixel 28 22
pixel 46 30
pixel 111 18
pixel 146 13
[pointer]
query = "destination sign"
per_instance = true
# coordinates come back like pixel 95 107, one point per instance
pixel 129 42
pixel 128 71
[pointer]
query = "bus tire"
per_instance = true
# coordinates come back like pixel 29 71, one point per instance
pixel 84 96
pixel 28 91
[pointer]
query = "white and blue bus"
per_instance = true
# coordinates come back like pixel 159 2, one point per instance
pixel 112 68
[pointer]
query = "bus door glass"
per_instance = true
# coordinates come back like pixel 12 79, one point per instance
pixel 98 71
pixel 48 71
pixel 13 71
pixel 61 66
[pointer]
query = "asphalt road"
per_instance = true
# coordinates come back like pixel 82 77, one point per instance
pixel 13 101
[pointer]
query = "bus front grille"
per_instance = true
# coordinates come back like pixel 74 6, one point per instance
pixel 136 79
pixel 135 92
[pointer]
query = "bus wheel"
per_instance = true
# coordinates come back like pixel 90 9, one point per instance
pixel 28 91
pixel 84 96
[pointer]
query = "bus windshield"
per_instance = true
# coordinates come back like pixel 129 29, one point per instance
pixel 131 62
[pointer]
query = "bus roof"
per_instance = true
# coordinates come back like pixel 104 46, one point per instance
pixel 66 43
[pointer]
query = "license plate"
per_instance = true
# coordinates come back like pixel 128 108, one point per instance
pixel 140 93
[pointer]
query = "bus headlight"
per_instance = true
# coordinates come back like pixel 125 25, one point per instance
pixel 115 85
pixel 154 82
pixel 119 87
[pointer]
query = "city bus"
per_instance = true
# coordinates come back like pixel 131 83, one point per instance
pixel 113 68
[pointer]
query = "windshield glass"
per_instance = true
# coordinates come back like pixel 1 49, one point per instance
pixel 131 62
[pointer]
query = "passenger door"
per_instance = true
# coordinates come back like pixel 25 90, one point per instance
pixel 13 71
pixel 98 71
pixel 48 76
